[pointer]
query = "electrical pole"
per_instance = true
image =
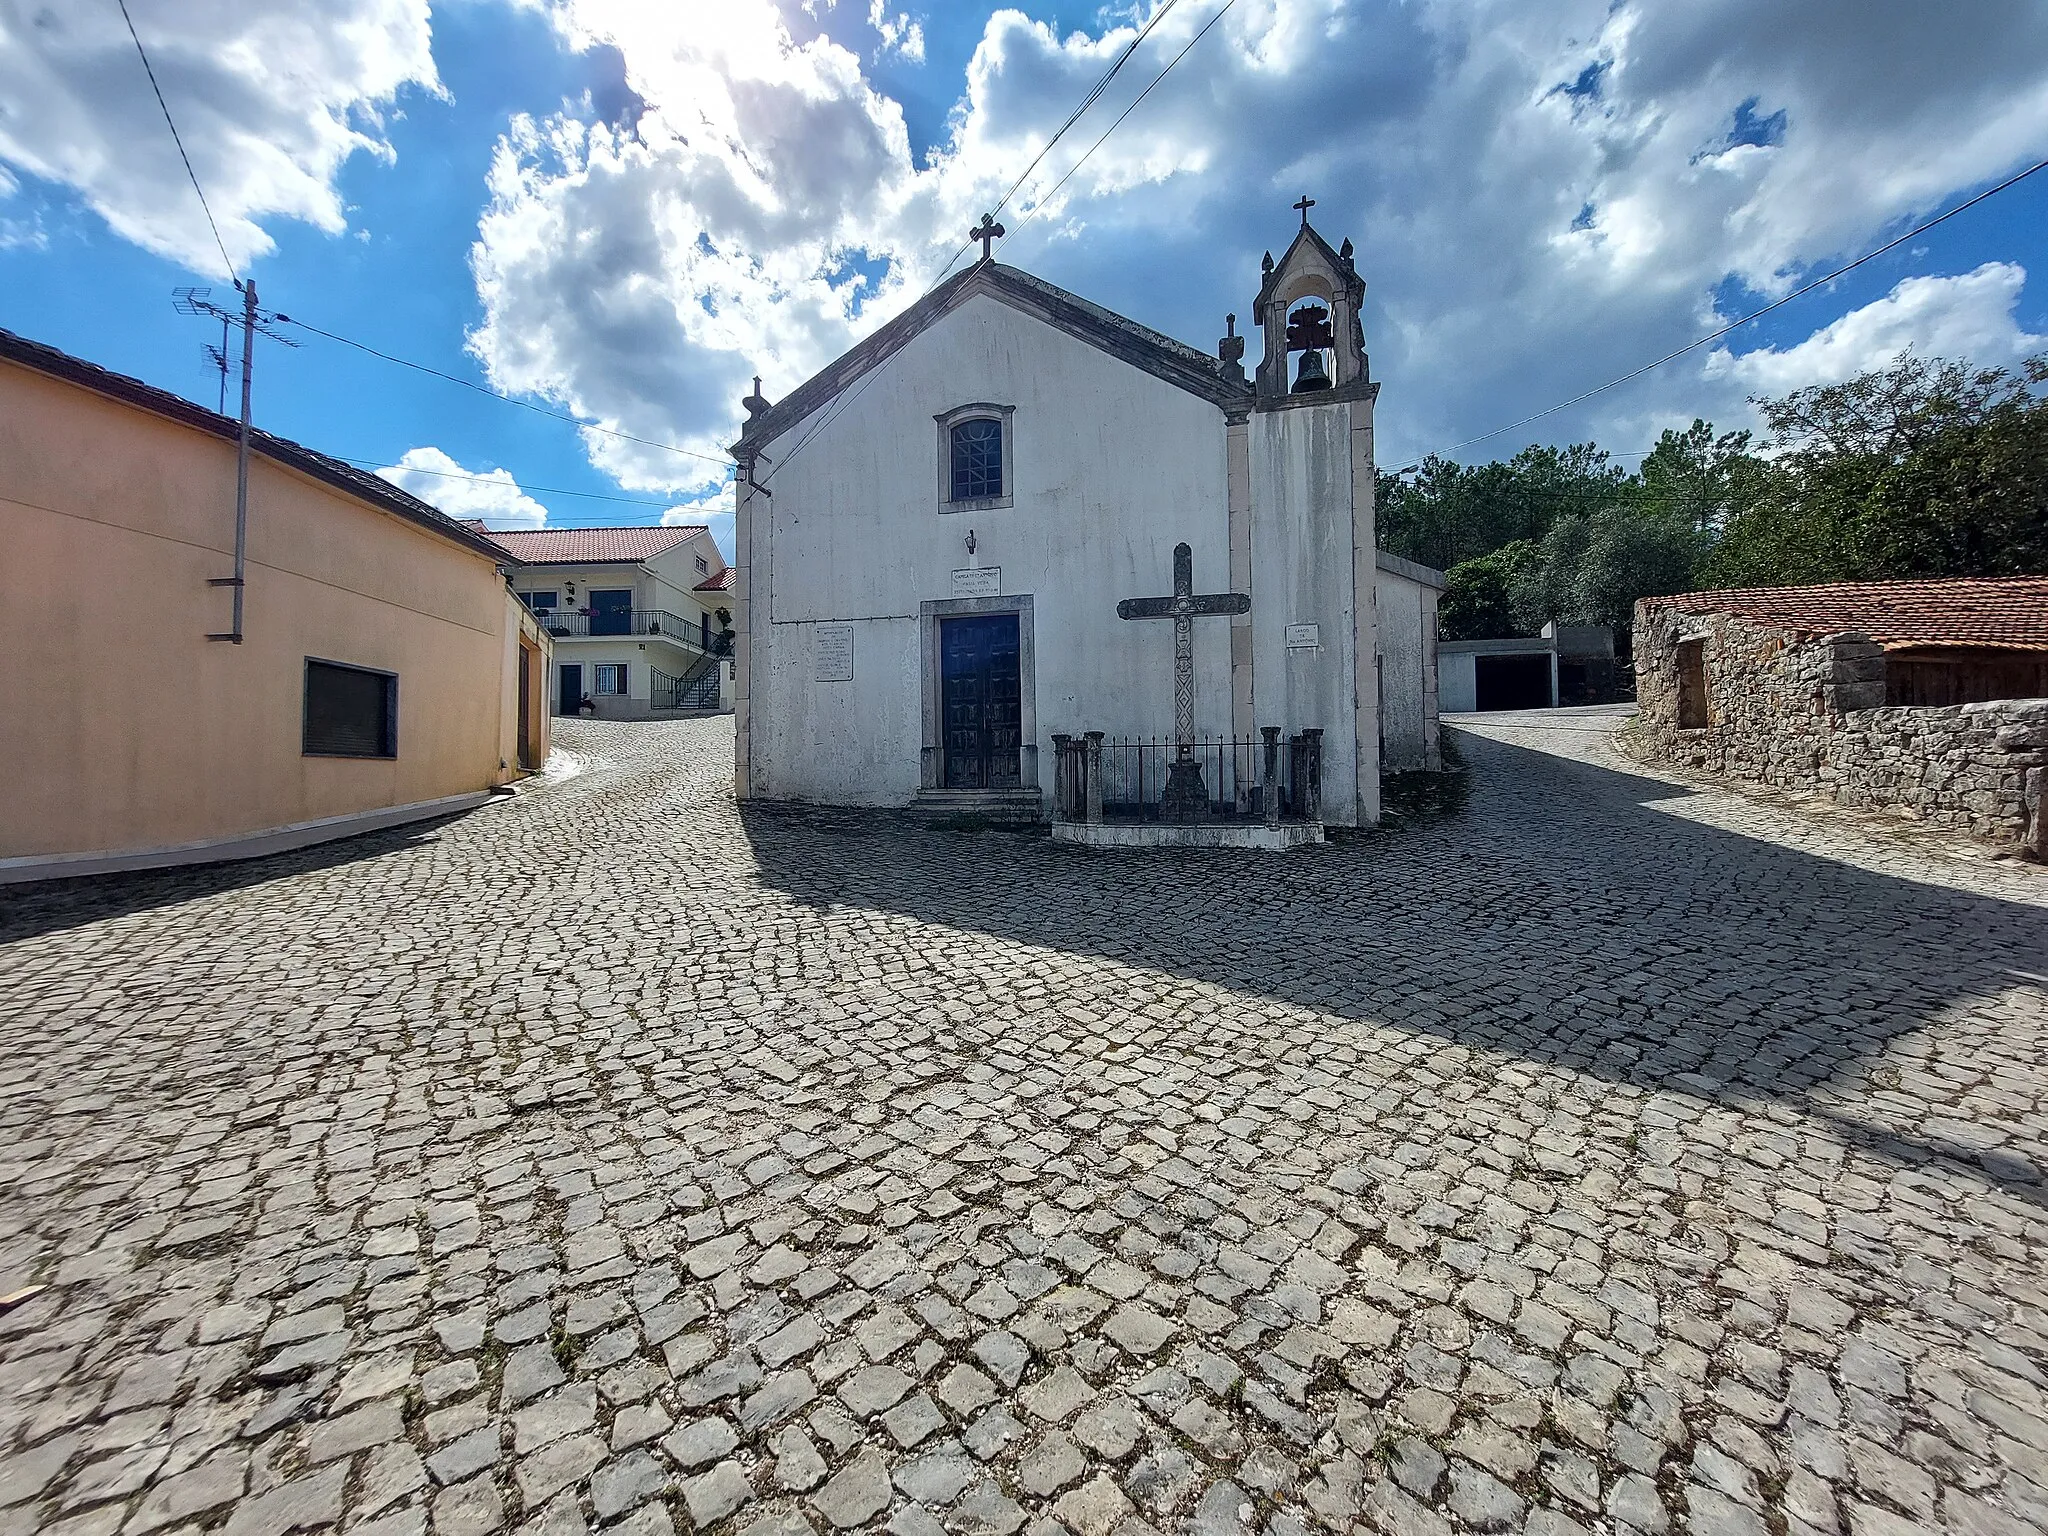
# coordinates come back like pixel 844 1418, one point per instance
pixel 194 301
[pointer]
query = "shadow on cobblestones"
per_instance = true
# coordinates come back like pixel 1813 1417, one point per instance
pixel 1565 919
pixel 51 906
pixel 1604 1159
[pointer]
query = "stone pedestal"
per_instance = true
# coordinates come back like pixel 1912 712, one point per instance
pixel 1186 797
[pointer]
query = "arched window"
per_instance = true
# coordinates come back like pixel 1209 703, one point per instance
pixel 977 458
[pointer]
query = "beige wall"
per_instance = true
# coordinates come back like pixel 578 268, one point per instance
pixel 127 728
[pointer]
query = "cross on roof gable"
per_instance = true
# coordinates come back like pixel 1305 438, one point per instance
pixel 1307 234
pixel 1142 347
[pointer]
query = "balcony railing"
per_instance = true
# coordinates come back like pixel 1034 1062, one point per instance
pixel 565 624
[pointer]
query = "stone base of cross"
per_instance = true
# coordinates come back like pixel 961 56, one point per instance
pixel 1186 797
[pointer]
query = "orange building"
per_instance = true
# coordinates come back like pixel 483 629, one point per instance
pixel 384 673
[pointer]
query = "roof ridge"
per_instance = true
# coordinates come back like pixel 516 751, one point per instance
pixel 340 476
pixel 1176 362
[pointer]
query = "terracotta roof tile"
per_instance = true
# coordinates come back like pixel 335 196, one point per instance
pixel 589 546
pixel 722 582
pixel 2007 611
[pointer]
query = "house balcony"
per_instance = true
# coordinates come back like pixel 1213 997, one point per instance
pixel 633 623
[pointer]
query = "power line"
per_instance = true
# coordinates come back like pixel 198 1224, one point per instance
pixel 176 139
pixel 1086 102
pixel 1733 325
pixel 1033 211
pixel 840 406
pixel 525 405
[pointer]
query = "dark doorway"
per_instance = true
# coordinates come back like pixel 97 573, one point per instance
pixel 611 613
pixel 1511 682
pixel 981 701
pixel 526 750
pixel 572 689
pixel 1692 685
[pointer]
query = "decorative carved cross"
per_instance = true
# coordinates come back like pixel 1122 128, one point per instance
pixel 1303 207
pixel 990 232
pixel 1183 608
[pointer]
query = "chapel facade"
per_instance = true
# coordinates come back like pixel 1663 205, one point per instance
pixel 944 536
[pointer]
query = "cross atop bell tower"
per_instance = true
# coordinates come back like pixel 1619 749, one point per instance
pixel 1308 310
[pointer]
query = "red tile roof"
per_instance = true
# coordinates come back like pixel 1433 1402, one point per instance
pixel 589 546
pixel 722 582
pixel 2009 611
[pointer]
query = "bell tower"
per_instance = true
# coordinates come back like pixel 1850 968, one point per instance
pixel 1314 644
pixel 1307 309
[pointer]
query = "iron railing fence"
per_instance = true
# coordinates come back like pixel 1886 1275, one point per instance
pixel 564 624
pixel 696 689
pixel 1124 778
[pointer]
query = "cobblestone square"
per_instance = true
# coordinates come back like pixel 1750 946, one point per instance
pixel 1612 1155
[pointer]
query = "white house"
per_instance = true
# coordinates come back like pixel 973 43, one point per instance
pixel 935 534
pixel 640 616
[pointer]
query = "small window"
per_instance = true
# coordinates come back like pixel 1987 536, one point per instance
pixel 350 711
pixel 611 677
pixel 977 459
pixel 703 566
pixel 541 602
pixel 1692 685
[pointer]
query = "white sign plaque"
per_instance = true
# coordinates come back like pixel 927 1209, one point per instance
pixel 834 653
pixel 1304 637
pixel 982 581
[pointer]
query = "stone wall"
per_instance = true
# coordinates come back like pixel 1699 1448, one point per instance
pixel 1807 713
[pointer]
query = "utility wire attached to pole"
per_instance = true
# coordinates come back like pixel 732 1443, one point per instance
pixel 226 260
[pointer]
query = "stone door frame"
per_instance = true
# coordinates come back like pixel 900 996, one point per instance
pixel 931 757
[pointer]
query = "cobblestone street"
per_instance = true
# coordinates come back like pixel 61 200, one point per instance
pixel 1611 1155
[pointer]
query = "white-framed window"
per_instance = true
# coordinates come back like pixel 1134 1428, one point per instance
pixel 703 566
pixel 541 602
pixel 611 677
pixel 977 457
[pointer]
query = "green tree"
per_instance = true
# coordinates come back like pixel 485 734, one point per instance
pixel 1923 468
pixel 1478 596
pixel 1700 479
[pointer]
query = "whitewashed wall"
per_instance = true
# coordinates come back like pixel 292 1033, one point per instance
pixel 1457 683
pixel 1302 573
pixel 1405 611
pixel 1112 467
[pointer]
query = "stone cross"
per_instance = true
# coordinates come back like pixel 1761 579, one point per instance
pixel 1185 798
pixel 989 232
pixel 1303 207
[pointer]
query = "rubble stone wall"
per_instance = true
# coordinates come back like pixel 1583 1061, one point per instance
pixel 1807 713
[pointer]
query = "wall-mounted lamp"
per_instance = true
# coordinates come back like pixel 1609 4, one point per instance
pixel 571 587
pixel 970 541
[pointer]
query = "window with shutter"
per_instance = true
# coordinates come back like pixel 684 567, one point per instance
pixel 350 711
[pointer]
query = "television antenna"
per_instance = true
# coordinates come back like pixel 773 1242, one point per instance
pixel 254 322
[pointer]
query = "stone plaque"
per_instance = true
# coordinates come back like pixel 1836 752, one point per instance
pixel 982 581
pixel 834 653
pixel 1304 637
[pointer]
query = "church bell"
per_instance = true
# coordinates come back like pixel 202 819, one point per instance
pixel 1311 374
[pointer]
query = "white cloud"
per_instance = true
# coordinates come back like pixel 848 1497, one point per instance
pixel 270 97
pixel 1542 197
pixel 490 494
pixel 900 34
pixel 714 512
pixel 1971 316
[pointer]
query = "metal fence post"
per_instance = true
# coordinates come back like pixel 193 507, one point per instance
pixel 1269 789
pixel 1312 739
pixel 1092 766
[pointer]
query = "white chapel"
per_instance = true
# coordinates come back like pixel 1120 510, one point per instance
pixel 949 542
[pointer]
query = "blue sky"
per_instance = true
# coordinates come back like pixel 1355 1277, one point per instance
pixel 662 201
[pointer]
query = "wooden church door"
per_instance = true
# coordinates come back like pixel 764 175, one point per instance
pixel 981 701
